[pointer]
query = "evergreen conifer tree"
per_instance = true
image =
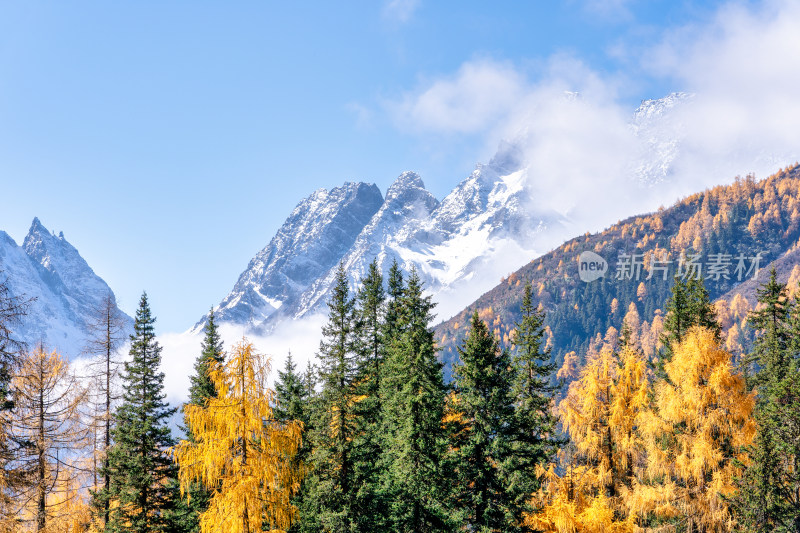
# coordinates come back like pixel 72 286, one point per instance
pixel 293 396
pixel 689 305
pixel 290 394
pixel 143 491
pixel 370 310
pixel 702 309
pixel 769 490
pixel 677 319
pixel 197 497
pixel 211 353
pixel 368 507
pixel 394 289
pixel 330 489
pixel 484 405
pixel 536 442
pixel 773 325
pixel 771 484
pixel 414 438
pixel 310 383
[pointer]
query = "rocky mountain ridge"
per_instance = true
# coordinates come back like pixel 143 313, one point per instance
pixel 62 288
pixel 486 226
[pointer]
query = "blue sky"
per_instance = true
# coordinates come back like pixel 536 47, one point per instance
pixel 169 140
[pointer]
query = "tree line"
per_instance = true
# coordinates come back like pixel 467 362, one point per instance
pixel 370 437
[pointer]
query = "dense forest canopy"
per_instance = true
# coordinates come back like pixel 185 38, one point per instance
pixel 728 231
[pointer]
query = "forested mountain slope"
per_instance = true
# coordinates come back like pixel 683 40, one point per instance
pixel 726 233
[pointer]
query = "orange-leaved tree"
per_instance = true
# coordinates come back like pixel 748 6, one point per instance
pixel 240 451
pixel 694 436
pixel 601 414
pixel 47 418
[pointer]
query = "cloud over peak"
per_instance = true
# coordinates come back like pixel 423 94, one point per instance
pixel 743 65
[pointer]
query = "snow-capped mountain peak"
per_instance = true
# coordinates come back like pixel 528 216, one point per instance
pixel 315 236
pixel 66 292
pixel 653 109
pixel 660 136
pixel 407 181
pixel 59 259
pixel 489 224
pixel 406 198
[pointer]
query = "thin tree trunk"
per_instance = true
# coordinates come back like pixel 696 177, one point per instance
pixel 106 473
pixel 41 516
pixel 245 515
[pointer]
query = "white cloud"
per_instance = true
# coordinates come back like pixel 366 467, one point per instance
pixel 180 351
pixel 743 67
pixel 480 95
pixel 400 10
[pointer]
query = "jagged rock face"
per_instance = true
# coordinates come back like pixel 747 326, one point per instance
pixel 66 290
pixel 490 188
pixel 487 226
pixel 448 242
pixel 315 237
pixel 407 208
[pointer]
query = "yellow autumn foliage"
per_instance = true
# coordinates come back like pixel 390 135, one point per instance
pixel 702 416
pixel 571 504
pixel 601 413
pixel 240 451
pixel 71 510
pixel 47 416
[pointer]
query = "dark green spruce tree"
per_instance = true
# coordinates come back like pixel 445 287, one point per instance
pixel 211 353
pixel 370 310
pixel 290 393
pixel 143 488
pixel 677 317
pixel 415 442
pixel 369 507
pixel 773 325
pixel 535 441
pixel 769 490
pixel 688 305
pixel 292 403
pixel 394 290
pixel 201 389
pixel 310 380
pixel 328 500
pixel 702 308
pixel 483 402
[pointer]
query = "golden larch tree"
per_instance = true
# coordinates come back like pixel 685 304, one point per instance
pixel 74 512
pixel 241 452
pixel 47 416
pixel 601 415
pixel 694 436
